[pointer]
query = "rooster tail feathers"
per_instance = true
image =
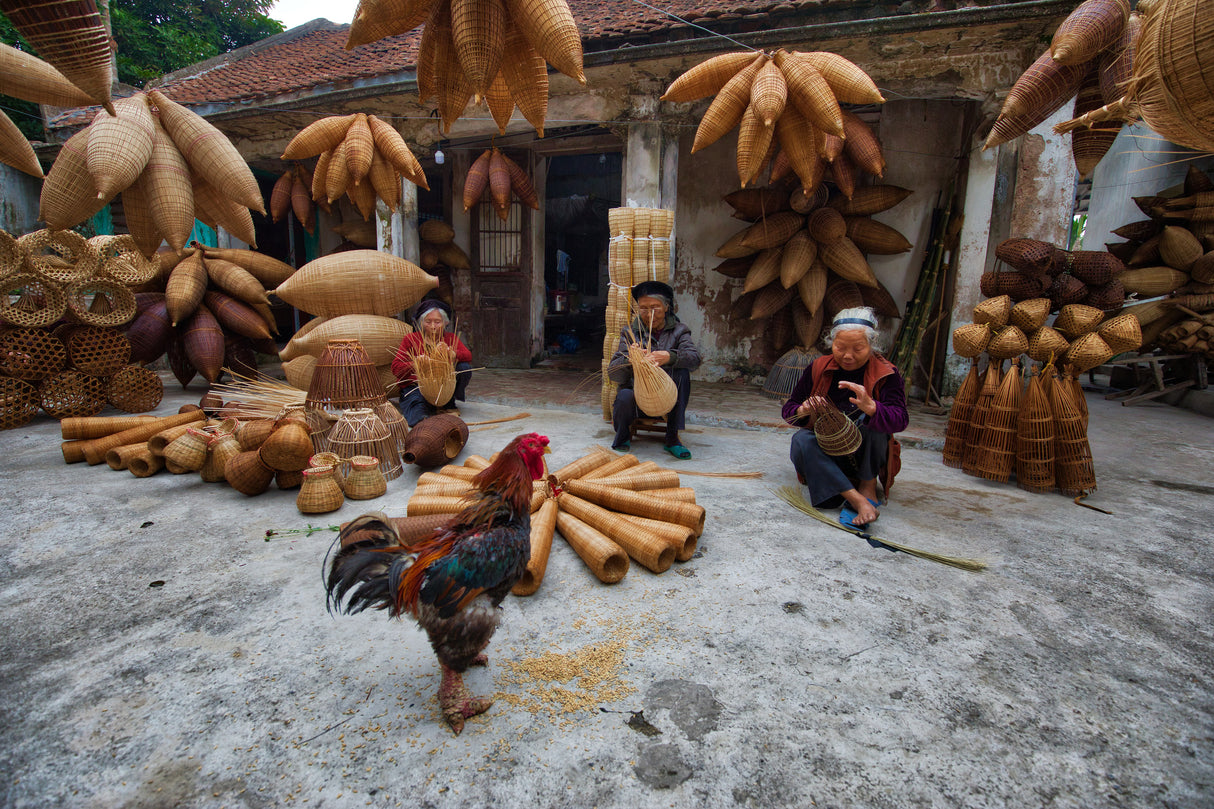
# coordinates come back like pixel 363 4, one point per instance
pixel 361 573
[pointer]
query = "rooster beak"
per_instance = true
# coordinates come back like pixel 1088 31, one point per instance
pixel 547 450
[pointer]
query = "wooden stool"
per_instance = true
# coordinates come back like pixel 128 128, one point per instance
pixel 645 424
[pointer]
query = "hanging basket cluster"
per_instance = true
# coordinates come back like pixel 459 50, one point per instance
pixel 170 166
pixel 359 156
pixel 1089 60
pixel 292 193
pixel 207 309
pixel 787 101
pixel 441 256
pixel 496 173
pixel 803 258
pixel 488 50
pixel 608 507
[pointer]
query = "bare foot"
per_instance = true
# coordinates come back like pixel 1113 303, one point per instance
pixel 865 514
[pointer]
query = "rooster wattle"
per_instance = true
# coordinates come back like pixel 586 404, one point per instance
pixel 454 581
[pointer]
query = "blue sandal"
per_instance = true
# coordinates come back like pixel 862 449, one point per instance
pixel 679 451
pixel 847 514
pixel 622 447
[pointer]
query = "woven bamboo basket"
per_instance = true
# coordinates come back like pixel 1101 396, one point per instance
pixel 119 145
pixel 246 473
pixel 32 79
pixel 149 333
pixel 94 449
pixel 1019 286
pixel 203 342
pixel 1152 281
pixel 1035 440
pixel 75 429
pixel 848 82
pixel 380 336
pixel 1030 256
pixel 796 258
pixel 751 204
pixel 786 372
pixel 763 270
pixel 189 451
pixel 773 231
pixel 435 441
pixel 1121 333
pixel 72 393
pixel 1008 342
pixel 875 237
pixel 997 443
pixel 121 260
pixel 810 93
pixel 159 442
pixel 344 377
pixel 846 259
pixel 1066 289
pixel 870 199
pixel 31 354
pixel 754 144
pixel 134 389
pixel 1030 315
pixel 365 481
pixel 655 390
pixel 843 173
pixel 318 136
pixel 1179 248
pixel 727 108
pixel 12 255
pixel 360 148
pixel 811 287
pixel 807 327
pixel 994 312
pixel 956 431
pixel 826 225
pixel 1073 469
pixel 319 492
pixel 434 367
pixel 971 461
pixel 360 431
pixel 299 371
pixel 837 435
pixel 841 294
pixel 236 281
pixel 19 402
pixel 708 77
pixel 394 421
pixel 655 553
pixel 1046 344
pixel 1040 90
pixel 1088 351
pixel 185 287
pixel 60 256
pixel 798 151
pixel 329 458
pixel 69 195
pixel 357 282
pixel 1077 319
pixel 221 448
pixel 84 302
pixel 1095 267
pixel 98 351
pixel 289 446
pixel 70 35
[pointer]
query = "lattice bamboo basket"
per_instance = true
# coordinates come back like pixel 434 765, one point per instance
pixel 1074 472
pixel 97 350
pixel 31 354
pixel 997 444
pixel 344 377
pixel 986 395
pixel 134 389
pixel 1035 439
pixel 100 302
pixel 359 431
pixel 30 301
pixel 18 402
pixel 957 430
pixel 72 393
pixel 60 256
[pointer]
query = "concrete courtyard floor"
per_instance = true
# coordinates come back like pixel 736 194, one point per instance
pixel 158 649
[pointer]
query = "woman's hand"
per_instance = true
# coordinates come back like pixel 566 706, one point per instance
pixel 865 403
pixel 660 357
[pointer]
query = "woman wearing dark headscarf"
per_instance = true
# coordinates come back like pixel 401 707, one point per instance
pixel 669 346
pixel 431 319
pixel 868 389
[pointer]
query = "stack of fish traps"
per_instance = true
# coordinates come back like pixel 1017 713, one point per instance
pixel 639 251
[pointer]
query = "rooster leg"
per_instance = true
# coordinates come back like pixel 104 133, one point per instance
pixel 457 701
pixel 481 659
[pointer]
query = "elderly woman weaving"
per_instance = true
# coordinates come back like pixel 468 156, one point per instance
pixel 432 317
pixel 868 389
pixel 667 343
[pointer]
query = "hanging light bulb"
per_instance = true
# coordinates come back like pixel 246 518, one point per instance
pixel 439 157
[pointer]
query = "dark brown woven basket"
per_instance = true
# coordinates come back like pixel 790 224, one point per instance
pixel 31 354
pixel 18 402
pixel 435 441
pixel 1095 267
pixel 72 393
pixel 1018 286
pixel 1026 255
pixel 841 294
pixel 1107 296
pixel 98 350
pixel 1065 290
pixel 344 377
pixel 134 389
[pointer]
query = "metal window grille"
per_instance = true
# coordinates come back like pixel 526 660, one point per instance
pixel 500 243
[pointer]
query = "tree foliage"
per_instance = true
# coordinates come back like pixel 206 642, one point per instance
pixel 156 37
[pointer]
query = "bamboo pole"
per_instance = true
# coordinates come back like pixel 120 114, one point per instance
pixel 543 524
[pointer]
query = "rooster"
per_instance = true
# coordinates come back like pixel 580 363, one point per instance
pixel 452 582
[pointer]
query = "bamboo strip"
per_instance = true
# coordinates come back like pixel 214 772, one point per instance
pixel 654 552
pixel 543 524
pixel 95 449
pixel 605 559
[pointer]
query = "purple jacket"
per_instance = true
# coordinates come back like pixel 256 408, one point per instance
pixel 891 415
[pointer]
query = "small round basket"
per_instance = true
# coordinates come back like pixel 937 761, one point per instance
pixel 1030 315
pixel 97 350
pixel 994 311
pixel 1076 319
pixel 31 354
pixel 1046 343
pixel 30 301
pixel 971 339
pixel 134 389
pixel 1121 333
pixel 1007 343
pixel 61 256
pixel 72 393
pixel 1087 352
pixel 18 402
pixel 100 302
pixel 122 261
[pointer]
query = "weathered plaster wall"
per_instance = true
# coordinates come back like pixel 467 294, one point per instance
pixel 18 201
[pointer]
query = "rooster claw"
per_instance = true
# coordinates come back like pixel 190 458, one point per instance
pixel 481 659
pixel 454 715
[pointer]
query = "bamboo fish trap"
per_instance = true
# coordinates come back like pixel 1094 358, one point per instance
pixel 986 395
pixel 434 367
pixel 997 444
pixel 360 431
pixel 956 432
pixel 1074 473
pixel 656 393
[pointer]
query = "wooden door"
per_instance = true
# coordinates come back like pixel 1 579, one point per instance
pixel 501 287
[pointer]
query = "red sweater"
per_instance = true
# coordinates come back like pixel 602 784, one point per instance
pixel 402 363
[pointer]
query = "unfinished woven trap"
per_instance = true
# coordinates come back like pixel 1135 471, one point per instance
pixel 1035 440
pixel 99 302
pixel 435 441
pixel 31 354
pixel 360 431
pixel 956 432
pixel 837 435
pixel 30 301
pixel 434 367
pixel 344 378
pixel 97 350
pixel 787 371
pixel 656 393
pixel 60 256
pixel 134 389
pixel 18 402
pixel 72 393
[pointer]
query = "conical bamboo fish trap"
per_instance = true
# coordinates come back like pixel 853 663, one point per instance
pixel 1035 440
pixel 837 435
pixel 997 444
pixel 71 36
pixel 1088 30
pixel 380 336
pixel 356 282
pixel 986 395
pixel 957 430
pixel 994 311
pixel 1030 315
pixel 656 393
pixel 1073 469
pixel 359 431
pixel 31 79
pixel 653 552
pixel 119 145
pixel 344 378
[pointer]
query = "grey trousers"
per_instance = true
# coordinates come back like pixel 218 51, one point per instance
pixel 827 476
